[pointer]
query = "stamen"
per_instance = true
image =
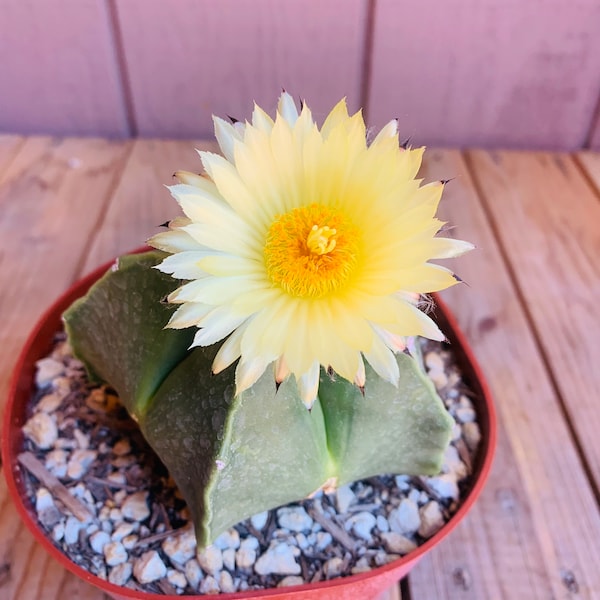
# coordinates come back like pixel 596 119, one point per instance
pixel 319 240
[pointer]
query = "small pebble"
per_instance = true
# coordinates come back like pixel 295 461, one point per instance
pixel 405 519
pixel 444 486
pixel 122 447
pixel 80 462
pixel 135 507
pixel 41 430
pixel 432 519
pixel 333 567
pixel 291 580
pixel 72 527
pixel 344 498
pixel 98 540
pixel 323 539
pixel 210 559
pixel 193 573
pixel 226 584
pixel 181 547
pixel 260 520
pixel 176 578
pixel 149 567
pixel 122 531
pixel 228 539
pixel 472 435
pixel 278 560
pixel 294 518
pixel 382 524
pixel 49 403
pixel 396 543
pixel 115 553
pixel 229 559
pixel 209 586
pixel 120 574
pixel 361 524
pixel 466 415
pixel 47 370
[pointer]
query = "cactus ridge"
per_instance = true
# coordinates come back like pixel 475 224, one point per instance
pixel 235 456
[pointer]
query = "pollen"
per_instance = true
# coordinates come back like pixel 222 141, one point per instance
pixel 312 251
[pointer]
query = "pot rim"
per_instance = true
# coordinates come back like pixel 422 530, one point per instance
pixel 21 385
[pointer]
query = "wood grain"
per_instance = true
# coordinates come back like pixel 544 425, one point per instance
pixel 490 73
pixel 541 207
pixel 554 500
pixel 140 202
pixel 190 59
pixel 52 195
pixel 9 145
pixel 589 162
pixel 58 69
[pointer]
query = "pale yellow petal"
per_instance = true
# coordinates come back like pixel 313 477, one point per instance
pixel 261 120
pixel 185 265
pixel 227 135
pixel 230 349
pixel 216 325
pixel 383 362
pixel 308 385
pixel 188 315
pixel 248 372
pixel 287 108
pixel 215 290
pixel 175 240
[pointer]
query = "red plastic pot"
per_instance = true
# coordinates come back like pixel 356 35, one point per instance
pixel 364 586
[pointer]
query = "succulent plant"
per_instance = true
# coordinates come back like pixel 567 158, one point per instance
pixel 235 456
pixel 300 259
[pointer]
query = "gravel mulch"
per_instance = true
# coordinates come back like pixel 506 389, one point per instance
pixel 108 503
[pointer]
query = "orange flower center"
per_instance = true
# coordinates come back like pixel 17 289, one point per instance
pixel 311 251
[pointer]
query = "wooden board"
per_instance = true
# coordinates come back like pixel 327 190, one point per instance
pixel 487 72
pixel 9 145
pixel 52 194
pixel 58 70
pixel 219 58
pixel 589 162
pixel 541 208
pixel 140 202
pixel 548 513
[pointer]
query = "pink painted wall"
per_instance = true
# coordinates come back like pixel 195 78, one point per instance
pixel 492 73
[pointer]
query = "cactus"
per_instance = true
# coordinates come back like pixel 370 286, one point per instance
pixel 236 455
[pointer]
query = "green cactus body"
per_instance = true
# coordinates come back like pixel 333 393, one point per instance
pixel 234 456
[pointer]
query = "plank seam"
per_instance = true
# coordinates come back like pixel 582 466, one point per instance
pixel 586 175
pixel 367 57
pixel 77 273
pixel 404 586
pixel 564 409
pixel 594 125
pixel 122 68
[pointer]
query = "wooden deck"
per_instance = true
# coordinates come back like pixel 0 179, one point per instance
pixel 530 311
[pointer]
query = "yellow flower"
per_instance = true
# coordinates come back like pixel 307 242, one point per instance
pixel 306 247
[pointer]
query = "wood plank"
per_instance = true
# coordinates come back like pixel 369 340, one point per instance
pixel 594 135
pixel 52 195
pixel 9 145
pixel 487 72
pixel 195 58
pixel 589 162
pixel 554 533
pixel 547 217
pixel 140 202
pixel 58 69
pixel 494 553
